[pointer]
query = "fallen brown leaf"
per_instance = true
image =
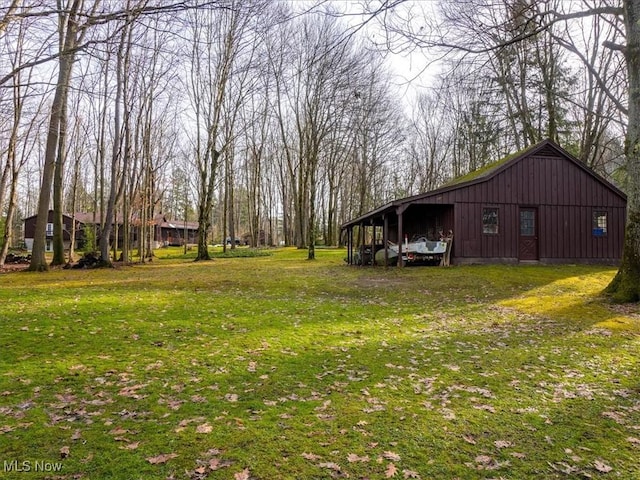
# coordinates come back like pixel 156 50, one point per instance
pixel 602 467
pixel 483 459
pixel 331 466
pixel 243 475
pixel 410 474
pixel 352 458
pixel 162 458
pixel 502 443
pixel 217 464
pixel 391 471
pixel 469 439
pixel 204 428
pixel 64 452
pixel 310 456
pixel 391 456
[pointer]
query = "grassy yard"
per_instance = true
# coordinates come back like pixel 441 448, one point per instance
pixel 278 368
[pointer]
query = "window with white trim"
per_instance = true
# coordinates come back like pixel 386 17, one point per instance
pixel 599 223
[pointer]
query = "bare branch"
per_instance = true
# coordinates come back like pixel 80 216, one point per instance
pixel 92 19
pixel 615 46
pixel 572 48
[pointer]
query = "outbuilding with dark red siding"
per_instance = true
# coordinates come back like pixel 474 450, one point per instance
pixel 539 205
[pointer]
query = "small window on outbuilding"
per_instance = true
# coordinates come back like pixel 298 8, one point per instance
pixel 599 224
pixel 490 220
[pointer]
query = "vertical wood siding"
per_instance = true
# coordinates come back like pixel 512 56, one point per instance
pixel 563 193
pixel 565 196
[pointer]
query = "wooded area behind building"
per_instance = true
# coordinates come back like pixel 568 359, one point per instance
pixel 250 117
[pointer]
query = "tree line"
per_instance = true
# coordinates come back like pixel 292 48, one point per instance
pixel 278 120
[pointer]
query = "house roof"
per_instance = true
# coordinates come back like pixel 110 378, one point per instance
pixel 482 175
pixel 87 218
pixel 82 217
pixel 177 224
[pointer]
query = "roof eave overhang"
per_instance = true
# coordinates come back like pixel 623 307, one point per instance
pixel 370 216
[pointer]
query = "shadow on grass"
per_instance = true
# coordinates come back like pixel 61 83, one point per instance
pixel 283 358
pixel 440 391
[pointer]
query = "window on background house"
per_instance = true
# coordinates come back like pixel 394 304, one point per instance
pixel 599 223
pixel 490 220
pixel 49 229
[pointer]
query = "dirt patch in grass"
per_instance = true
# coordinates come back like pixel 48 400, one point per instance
pixel 13 267
pixel 381 281
pixel 629 309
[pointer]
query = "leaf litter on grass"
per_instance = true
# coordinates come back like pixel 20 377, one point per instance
pixel 377 385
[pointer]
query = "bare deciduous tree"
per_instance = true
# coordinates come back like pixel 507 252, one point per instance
pixel 18 149
pixel 217 37
pixel 70 30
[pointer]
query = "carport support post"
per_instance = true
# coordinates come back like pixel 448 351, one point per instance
pixel 400 235
pixel 373 244
pixel 385 239
pixel 351 252
pixel 362 238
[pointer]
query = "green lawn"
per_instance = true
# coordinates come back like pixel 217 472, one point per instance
pixel 275 367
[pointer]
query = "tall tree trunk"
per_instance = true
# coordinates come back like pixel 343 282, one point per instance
pixel 311 229
pixel 58 224
pixel 625 286
pixel 151 230
pixel 74 195
pixel 8 227
pixel 11 168
pixel 66 60
pixel 3 184
pixel 13 193
pixel 205 206
pixel 110 216
pixel 231 211
pixel 225 211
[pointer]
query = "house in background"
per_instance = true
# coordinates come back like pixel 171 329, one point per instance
pixel 539 205
pixel 166 232
pixel 174 233
pixel 30 228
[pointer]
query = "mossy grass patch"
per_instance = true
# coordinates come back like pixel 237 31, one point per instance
pixel 277 367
